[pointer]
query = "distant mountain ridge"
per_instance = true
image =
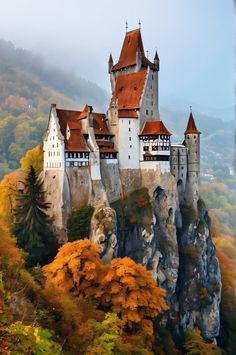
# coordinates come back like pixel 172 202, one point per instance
pixel 78 89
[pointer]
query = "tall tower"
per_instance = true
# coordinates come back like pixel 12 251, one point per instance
pixel 134 85
pixel 192 143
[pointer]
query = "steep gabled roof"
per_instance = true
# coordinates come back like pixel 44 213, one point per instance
pixel 132 44
pixel 66 117
pixel 99 124
pixel 76 142
pixel 153 128
pixel 128 90
pixel 191 126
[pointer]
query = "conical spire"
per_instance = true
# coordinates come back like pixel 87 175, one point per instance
pixel 191 126
pixel 110 59
pixel 156 56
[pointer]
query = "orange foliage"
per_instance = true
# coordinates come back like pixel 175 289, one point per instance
pixel 76 268
pixel 130 291
pixel 8 248
pixel 226 251
pixel 122 287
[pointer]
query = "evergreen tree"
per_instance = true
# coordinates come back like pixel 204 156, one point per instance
pixel 32 224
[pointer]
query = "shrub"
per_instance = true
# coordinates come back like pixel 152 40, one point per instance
pixel 134 209
pixel 78 224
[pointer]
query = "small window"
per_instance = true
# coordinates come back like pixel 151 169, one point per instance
pixel 146 112
pixel 128 156
pixel 152 77
pixel 130 138
pixel 129 121
pixel 130 146
pixel 129 129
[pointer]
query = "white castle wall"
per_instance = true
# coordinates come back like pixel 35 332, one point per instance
pixel 128 143
pixel 53 145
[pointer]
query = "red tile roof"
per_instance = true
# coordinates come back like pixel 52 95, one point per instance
pixel 76 141
pixel 107 150
pixel 99 124
pixel 128 90
pixel 128 114
pixel 132 44
pixel 105 144
pixel 67 116
pixel 191 126
pixel 153 128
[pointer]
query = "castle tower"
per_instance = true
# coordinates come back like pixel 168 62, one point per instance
pixel 134 85
pixel 192 143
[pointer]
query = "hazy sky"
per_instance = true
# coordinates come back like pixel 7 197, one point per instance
pixel 194 38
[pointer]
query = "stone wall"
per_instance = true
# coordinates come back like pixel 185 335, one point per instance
pixel 80 186
pixel 111 179
pixel 130 180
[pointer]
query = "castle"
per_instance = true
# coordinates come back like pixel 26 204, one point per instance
pixel 101 157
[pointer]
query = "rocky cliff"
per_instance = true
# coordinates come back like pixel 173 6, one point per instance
pixel 173 241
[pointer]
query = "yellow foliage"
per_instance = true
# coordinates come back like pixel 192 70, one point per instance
pixel 8 187
pixel 33 157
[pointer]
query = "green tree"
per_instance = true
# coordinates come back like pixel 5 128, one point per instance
pixel 79 223
pixel 32 224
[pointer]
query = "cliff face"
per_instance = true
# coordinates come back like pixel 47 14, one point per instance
pixel 174 243
pixel 198 291
pixel 157 226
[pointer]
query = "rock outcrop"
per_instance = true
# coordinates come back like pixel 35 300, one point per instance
pixel 198 292
pixel 175 244
pixel 156 226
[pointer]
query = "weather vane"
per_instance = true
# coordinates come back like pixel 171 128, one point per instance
pixel 191 108
pixel 147 53
pixel 139 24
pixel 126 25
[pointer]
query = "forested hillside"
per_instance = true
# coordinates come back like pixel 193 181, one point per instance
pixel 27 89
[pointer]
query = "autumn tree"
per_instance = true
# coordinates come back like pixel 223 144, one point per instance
pixel 34 158
pixel 122 287
pixel 32 224
pixel 130 291
pixel 226 251
pixel 77 268
pixel 195 344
